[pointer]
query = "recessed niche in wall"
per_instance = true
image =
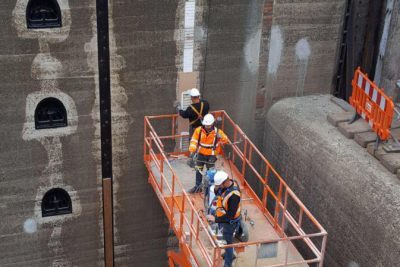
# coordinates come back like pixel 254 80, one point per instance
pixel 43 14
pixel 50 113
pixel 56 202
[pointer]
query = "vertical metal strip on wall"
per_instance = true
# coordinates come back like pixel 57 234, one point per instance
pixel 108 222
pixel 105 121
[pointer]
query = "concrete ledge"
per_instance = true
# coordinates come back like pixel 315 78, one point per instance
pixel 363 139
pixel 391 161
pixel 350 192
pixel 348 130
pixel 376 152
pixel 336 118
pixel 343 104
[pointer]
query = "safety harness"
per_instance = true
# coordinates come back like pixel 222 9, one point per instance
pixel 199 116
pixel 223 199
pixel 213 146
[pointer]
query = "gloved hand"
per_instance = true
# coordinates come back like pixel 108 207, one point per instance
pixel 177 105
pixel 210 218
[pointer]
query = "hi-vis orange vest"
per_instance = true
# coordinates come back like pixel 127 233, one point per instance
pixel 222 201
pixel 207 143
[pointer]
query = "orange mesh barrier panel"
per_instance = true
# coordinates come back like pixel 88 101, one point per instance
pixel 372 104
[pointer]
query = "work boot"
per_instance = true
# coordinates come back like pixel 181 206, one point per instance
pixel 190 163
pixel 195 189
pixel 233 258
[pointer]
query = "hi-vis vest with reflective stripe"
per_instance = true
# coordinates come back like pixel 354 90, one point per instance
pixel 222 201
pixel 207 143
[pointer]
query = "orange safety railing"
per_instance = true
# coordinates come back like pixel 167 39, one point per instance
pixel 292 221
pixel 371 103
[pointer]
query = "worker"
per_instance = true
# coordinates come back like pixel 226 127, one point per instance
pixel 194 112
pixel 228 211
pixel 206 142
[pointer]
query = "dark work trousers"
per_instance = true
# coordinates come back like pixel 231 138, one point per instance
pixel 191 131
pixel 227 233
pixel 202 160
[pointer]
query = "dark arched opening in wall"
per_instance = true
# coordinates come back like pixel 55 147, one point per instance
pixel 361 35
pixel 56 202
pixel 43 14
pixel 50 113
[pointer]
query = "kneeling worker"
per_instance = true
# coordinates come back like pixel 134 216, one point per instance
pixel 228 211
pixel 206 141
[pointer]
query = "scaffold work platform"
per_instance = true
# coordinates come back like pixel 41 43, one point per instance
pixel 282 232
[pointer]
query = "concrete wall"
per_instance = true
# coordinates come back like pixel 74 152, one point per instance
pixel 302 48
pixel 245 53
pixel 63 63
pixel 390 66
pixel 35 65
pixel 351 194
pixel 232 57
pixel 261 51
pixel 144 49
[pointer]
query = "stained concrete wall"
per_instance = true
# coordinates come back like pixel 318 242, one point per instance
pixel 302 47
pixel 261 51
pixel 143 37
pixel 351 194
pixel 390 66
pixel 237 44
pixel 35 65
pixel 232 57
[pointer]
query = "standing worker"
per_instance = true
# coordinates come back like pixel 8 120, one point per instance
pixel 228 211
pixel 194 112
pixel 206 141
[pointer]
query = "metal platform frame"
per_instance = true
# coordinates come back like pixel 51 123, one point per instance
pixel 290 219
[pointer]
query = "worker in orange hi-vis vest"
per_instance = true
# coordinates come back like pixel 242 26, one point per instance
pixel 206 141
pixel 228 211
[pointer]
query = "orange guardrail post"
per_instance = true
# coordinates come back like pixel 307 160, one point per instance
pixel 371 103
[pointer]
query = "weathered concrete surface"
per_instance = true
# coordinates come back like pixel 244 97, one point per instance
pixel 363 139
pixel 354 197
pixel 377 152
pixel 41 64
pixel 336 118
pixel 261 51
pixel 391 160
pixel 349 129
pixel 232 58
pixel 390 66
pixel 302 59
pixel 144 39
pixel 236 62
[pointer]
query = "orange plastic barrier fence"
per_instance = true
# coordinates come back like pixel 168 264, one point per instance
pixel 372 104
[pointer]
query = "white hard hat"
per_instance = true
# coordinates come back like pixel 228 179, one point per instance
pixel 194 92
pixel 220 177
pixel 208 120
